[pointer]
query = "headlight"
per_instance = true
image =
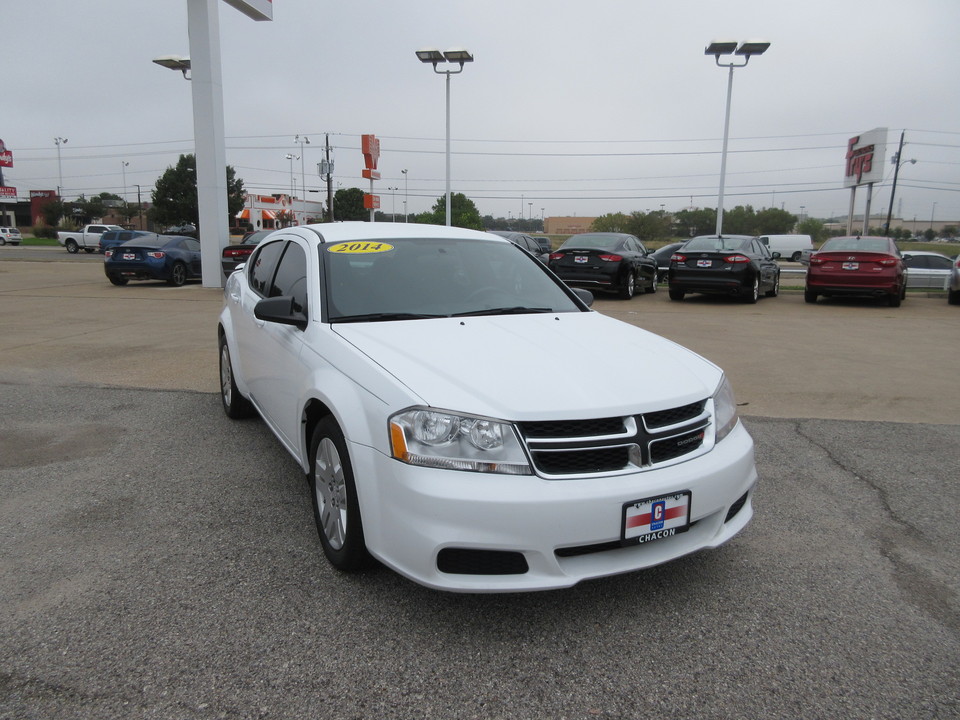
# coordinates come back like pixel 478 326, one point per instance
pixel 430 438
pixel 724 409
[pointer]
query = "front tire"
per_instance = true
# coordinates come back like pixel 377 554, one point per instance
pixel 235 405
pixel 178 275
pixel 653 283
pixel 336 510
pixel 776 287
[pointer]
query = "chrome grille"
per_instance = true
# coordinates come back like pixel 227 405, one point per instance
pixel 615 445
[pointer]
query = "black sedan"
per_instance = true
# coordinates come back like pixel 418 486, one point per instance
pixel 173 258
pixel 233 256
pixel 662 256
pixel 528 243
pixel 610 262
pixel 736 265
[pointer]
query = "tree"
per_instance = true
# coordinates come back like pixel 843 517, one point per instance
pixel 611 222
pixel 702 221
pixel 348 205
pixel 175 194
pixel 53 211
pixel 814 228
pixel 649 226
pixel 463 213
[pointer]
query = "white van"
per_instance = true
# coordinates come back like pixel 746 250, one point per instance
pixel 790 247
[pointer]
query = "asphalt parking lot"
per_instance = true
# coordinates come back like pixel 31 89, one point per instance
pixel 160 560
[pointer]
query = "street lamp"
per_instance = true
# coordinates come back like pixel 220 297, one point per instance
pixel 58 141
pixel 896 171
pixel 303 176
pixel 745 50
pixel 123 168
pixel 393 203
pixel 175 62
pixel 435 57
pixel 291 157
pixel 406 217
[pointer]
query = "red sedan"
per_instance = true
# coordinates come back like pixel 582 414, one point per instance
pixel 865 266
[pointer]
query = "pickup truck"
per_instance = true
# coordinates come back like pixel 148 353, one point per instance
pixel 88 238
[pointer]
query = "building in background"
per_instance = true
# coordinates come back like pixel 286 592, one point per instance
pixel 567 225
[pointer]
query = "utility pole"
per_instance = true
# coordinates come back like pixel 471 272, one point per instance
pixel 329 173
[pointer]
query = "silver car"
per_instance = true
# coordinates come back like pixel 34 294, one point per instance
pixel 926 269
pixel 953 284
pixel 10 235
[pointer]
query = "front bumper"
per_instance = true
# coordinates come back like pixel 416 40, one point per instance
pixel 565 530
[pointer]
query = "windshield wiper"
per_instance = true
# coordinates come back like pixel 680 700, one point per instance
pixel 381 317
pixel 517 310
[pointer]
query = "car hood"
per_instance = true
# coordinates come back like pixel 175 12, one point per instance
pixel 545 366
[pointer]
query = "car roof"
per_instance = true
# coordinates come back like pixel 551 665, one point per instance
pixel 345 231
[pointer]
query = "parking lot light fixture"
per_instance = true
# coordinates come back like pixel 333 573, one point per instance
pixel 745 50
pixel 175 62
pixel 458 56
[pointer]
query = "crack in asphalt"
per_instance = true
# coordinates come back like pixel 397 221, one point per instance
pixel 919 586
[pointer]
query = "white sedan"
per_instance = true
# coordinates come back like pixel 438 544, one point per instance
pixel 388 360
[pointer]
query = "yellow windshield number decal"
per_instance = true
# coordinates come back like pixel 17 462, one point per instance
pixel 360 248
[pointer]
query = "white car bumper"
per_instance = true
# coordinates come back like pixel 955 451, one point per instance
pixel 565 530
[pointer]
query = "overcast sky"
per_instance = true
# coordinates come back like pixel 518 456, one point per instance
pixel 570 108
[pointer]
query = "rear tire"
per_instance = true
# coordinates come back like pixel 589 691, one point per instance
pixel 809 296
pixel 894 299
pixel 336 510
pixel 953 297
pixel 676 294
pixel 795 257
pixel 178 276
pixel 117 280
pixel 72 246
pixel 752 294
pixel 629 286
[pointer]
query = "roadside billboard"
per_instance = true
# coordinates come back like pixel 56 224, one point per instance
pixel 864 158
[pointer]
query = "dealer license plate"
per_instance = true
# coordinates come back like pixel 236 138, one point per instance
pixel 129 256
pixel 704 263
pixel 851 266
pixel 655 518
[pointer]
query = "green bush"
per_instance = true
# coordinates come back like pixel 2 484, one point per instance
pixel 44 231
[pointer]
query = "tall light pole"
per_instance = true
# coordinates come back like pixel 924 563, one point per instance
pixel 406 216
pixel 291 157
pixel 896 171
pixel 123 167
pixel 58 141
pixel 435 57
pixel 393 203
pixel 303 176
pixel 745 50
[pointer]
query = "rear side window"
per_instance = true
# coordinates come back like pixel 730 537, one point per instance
pixel 263 266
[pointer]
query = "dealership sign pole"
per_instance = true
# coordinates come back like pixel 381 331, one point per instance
pixel 862 170
pixel 7 194
pixel 370 146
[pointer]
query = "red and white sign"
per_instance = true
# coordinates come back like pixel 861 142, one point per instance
pixel 864 158
pixel 370 147
pixel 371 202
pixel 8 192
pixel 6 157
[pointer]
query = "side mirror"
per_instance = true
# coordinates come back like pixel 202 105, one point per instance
pixel 280 310
pixel 586 297
pixel 776 255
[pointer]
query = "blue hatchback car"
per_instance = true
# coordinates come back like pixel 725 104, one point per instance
pixel 173 258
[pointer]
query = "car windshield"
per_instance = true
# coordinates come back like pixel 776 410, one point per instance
pixel 422 278
pixel 865 244
pixel 713 244
pixel 598 242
